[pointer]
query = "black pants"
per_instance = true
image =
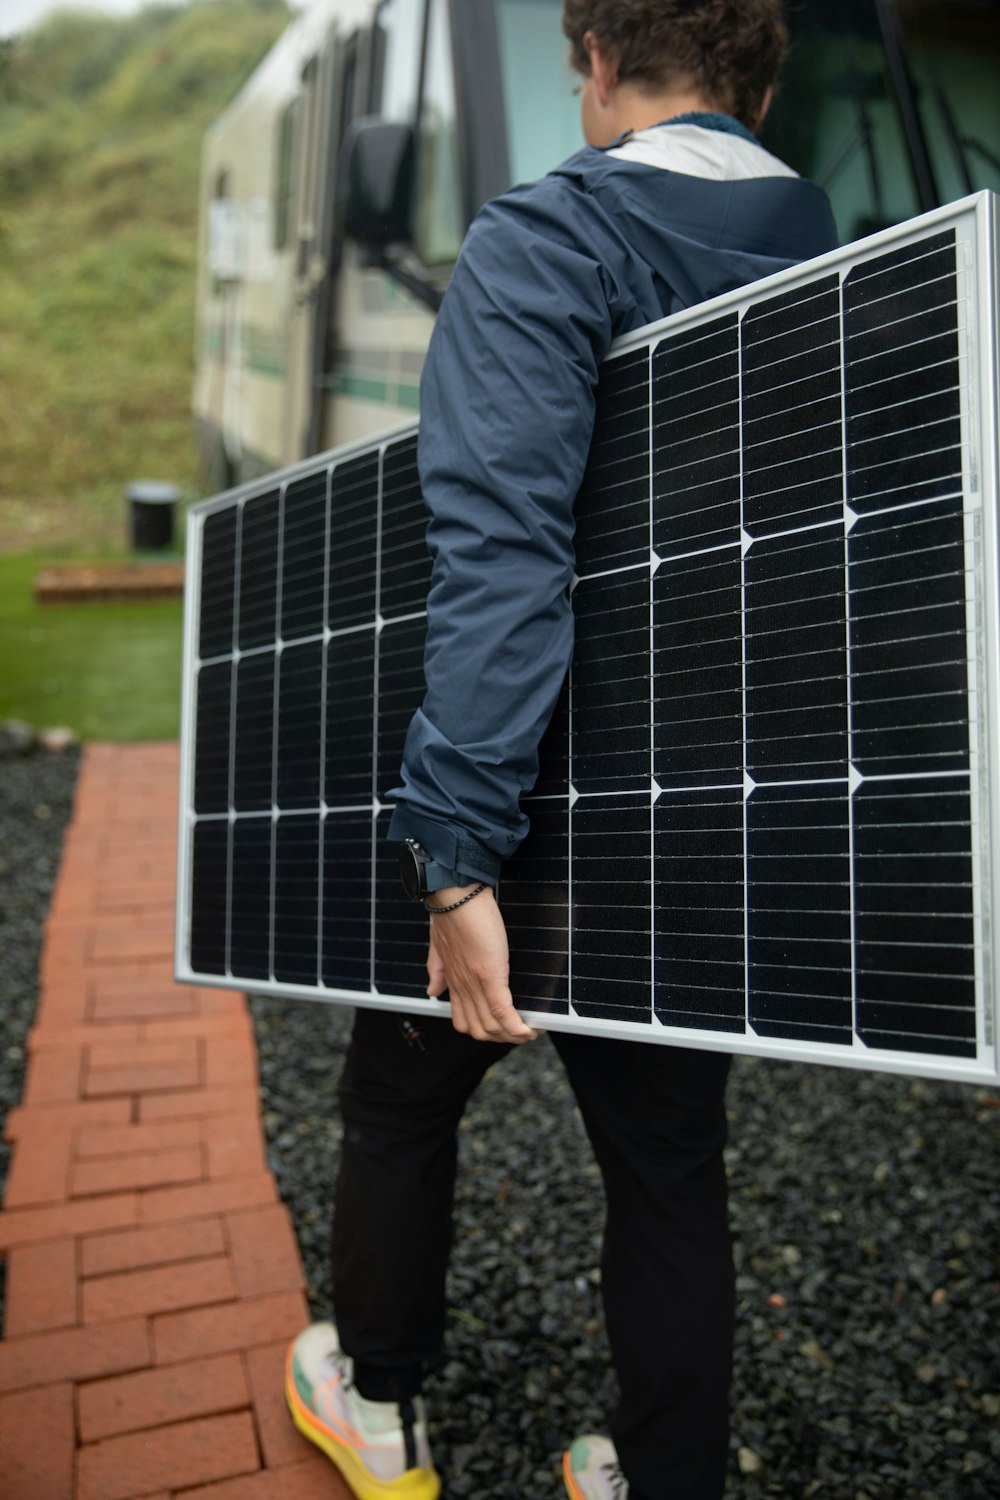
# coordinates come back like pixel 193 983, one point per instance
pixel 656 1119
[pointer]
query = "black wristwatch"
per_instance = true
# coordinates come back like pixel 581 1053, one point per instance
pixel 421 875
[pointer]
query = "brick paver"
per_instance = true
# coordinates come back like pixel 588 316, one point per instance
pixel 153 1278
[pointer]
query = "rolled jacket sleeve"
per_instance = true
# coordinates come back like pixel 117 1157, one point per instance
pixel 507 411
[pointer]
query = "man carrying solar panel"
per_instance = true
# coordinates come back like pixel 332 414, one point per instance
pixel 671 202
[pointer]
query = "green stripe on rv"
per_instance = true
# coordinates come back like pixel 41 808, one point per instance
pixel 371 388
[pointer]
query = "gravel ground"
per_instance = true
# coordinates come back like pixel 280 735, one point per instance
pixel 36 793
pixel 866 1213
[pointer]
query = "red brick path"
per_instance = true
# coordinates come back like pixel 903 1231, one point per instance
pixel 153 1279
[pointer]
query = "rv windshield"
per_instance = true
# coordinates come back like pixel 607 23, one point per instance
pixel 891 107
pixel 542 113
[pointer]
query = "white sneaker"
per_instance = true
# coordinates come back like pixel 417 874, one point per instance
pixel 380 1447
pixel 591 1470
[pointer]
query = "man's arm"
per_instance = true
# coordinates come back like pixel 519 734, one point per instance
pixel 507 404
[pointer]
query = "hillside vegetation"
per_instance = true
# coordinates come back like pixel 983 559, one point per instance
pixel 101 121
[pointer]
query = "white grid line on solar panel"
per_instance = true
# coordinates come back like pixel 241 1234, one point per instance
pixel 910 401
pixel 620 365
pixel 869 266
pixel 238 655
pixel 799 680
pixel 891 585
pixel 296 531
pixel 273 869
pixel 783 304
pixel 877 777
pixel 254 615
pixel 341 632
pixel 616 407
pixel 300 516
pixel 725 324
pixel 688 390
pixel 802 539
pixel 898 347
pixel 227 944
pixel 638 568
pixel 759 964
pixel 833 804
pixel 882 913
pixel 910 609
pixel 849 725
pixel 796 358
pixel 590 732
pixel 898 585
pixel 731 403
pixel 405 483
pixel 931 1006
pixel 920 943
pixel 778 938
pixel 908 525
pixel 858 386
pixel 900 432
pixel 719 338
pixel 740 620
pixel 868 497
pixel 882 699
pixel 744 692
pixel 388 622
pixel 607 532
pixel 616 459
pixel 901 506
pixel 711 484
pixel 583 796
pixel 397 562
pixel 609 485
pixel 897 289
pixel 917 755
pixel 796 434
pixel 785 411
pixel 786 436
pixel 778 463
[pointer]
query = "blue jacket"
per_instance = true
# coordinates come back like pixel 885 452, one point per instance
pixel 549 275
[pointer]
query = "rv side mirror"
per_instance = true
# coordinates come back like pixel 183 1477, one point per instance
pixel 375 196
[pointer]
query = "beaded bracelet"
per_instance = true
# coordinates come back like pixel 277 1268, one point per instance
pixel 436 911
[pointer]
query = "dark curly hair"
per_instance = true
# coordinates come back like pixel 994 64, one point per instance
pixel 729 50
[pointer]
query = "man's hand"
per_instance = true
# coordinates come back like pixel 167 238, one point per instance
pixel 468 956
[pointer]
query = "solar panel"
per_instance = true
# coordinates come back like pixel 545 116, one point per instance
pixel 770 788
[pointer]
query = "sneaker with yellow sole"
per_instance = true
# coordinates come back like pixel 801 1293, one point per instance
pixel 591 1470
pixel 380 1447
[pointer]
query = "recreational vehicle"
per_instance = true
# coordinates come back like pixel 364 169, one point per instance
pixel 338 184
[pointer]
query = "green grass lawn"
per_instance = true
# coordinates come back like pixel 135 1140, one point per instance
pixel 107 671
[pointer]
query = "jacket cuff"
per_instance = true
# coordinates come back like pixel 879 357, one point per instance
pixel 447 845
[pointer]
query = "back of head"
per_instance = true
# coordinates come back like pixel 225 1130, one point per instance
pixel 729 51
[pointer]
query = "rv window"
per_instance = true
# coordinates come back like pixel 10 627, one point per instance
pixel 543 116
pixel 438 227
pixel 284 178
pixel 399 30
pixel 953 53
pixel 837 118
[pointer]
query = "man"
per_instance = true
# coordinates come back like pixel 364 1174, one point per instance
pixel 672 201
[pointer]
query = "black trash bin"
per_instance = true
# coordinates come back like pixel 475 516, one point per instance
pixel 151 514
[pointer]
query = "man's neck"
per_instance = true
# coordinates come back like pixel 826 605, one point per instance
pixel 632 109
